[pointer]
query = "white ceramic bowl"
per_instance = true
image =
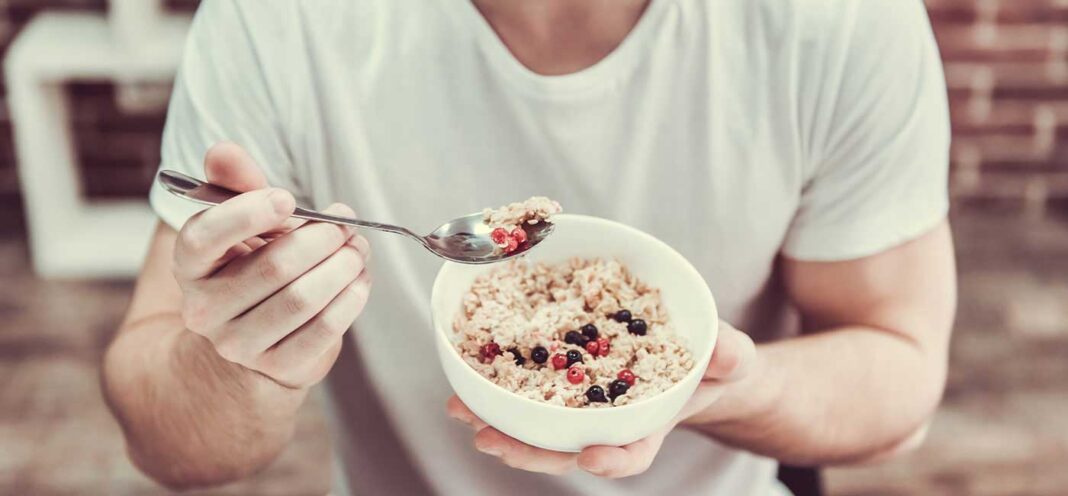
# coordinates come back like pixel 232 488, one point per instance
pixel 685 295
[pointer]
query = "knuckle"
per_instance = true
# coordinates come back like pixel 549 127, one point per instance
pixel 229 287
pixel 315 336
pixel 331 324
pixel 339 235
pixel 287 378
pixel 195 314
pixel 357 293
pixel 453 406
pixel 267 363
pixel 352 260
pixel 272 269
pixel 178 269
pixel 295 300
pixel 192 238
pixel 229 347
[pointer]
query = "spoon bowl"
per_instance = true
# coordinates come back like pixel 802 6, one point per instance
pixel 463 240
pixel 467 240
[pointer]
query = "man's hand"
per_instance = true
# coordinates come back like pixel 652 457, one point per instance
pixel 733 358
pixel 231 319
pixel 270 293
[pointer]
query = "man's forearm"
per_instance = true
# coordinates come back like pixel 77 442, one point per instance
pixel 190 417
pixel 835 397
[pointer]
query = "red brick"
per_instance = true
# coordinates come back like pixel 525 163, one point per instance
pixel 1032 11
pixel 1006 74
pixel 951 11
pixel 1006 148
pixel 1030 42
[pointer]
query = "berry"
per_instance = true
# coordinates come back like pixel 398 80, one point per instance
pixel 622 316
pixel 603 347
pixel 592 348
pixel 618 387
pixel 590 331
pixel 596 394
pixel 519 360
pixel 500 237
pixel 489 351
pixel 573 337
pixel 559 361
pixel 519 235
pixel 511 246
pixel 627 376
pixel 637 326
pixel 539 354
pixel 575 375
pixel 573 357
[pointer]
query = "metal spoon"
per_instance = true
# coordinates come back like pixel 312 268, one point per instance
pixel 463 240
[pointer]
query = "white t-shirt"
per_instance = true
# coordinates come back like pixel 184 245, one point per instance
pixel 735 130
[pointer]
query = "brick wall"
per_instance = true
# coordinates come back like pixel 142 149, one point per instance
pixel 1007 70
pixel 1006 66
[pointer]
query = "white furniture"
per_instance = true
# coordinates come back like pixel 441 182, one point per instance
pixel 69 235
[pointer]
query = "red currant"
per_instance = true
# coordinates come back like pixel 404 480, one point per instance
pixel 490 351
pixel 627 376
pixel 592 348
pixel 575 375
pixel 511 246
pixel 519 234
pixel 559 361
pixel 603 347
pixel 500 237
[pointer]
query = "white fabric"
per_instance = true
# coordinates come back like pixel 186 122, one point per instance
pixel 735 130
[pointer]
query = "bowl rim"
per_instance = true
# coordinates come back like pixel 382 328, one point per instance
pixel 691 271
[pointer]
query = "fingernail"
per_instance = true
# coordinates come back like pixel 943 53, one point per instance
pixel 340 209
pixel 281 200
pixel 491 451
pixel 595 469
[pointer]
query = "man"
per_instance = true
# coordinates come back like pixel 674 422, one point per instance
pixel 794 150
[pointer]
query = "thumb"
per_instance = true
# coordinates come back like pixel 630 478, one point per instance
pixel 733 355
pixel 230 166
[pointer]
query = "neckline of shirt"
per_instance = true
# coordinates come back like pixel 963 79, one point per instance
pixel 602 73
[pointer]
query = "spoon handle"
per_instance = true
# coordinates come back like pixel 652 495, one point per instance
pixel 199 191
pixel 303 213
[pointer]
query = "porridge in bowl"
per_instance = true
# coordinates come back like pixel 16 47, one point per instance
pixel 585 333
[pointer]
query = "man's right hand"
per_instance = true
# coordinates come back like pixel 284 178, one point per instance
pixel 272 294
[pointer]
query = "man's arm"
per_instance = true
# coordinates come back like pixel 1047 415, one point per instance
pixel 190 417
pixel 233 318
pixel 869 372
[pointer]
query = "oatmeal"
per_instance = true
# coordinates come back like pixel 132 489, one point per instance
pixel 533 210
pixel 585 333
pixel 508 221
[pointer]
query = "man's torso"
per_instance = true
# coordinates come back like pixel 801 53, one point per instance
pixel 413 113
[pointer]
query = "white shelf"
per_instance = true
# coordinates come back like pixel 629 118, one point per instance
pixel 69 235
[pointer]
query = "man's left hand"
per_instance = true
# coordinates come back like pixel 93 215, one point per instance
pixel 732 360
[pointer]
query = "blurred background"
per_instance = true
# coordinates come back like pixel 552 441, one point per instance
pixel 84 90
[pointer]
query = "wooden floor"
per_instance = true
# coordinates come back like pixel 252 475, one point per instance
pixel 1003 429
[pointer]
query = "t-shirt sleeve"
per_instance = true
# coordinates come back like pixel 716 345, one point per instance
pixel 876 135
pixel 221 93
